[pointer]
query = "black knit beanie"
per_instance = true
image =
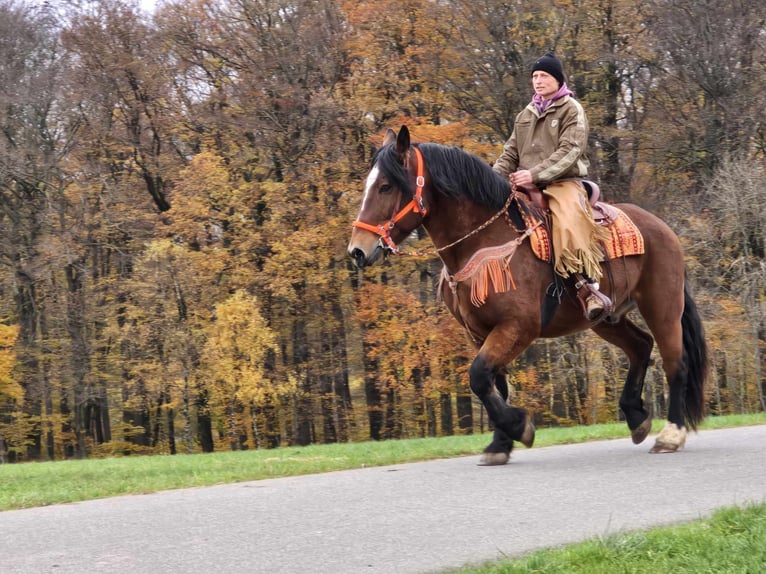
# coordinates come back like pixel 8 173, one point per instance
pixel 551 65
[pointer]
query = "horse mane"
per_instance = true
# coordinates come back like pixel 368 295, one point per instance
pixel 454 173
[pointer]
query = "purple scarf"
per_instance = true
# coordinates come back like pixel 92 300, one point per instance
pixel 543 105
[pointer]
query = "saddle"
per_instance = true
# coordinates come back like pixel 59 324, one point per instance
pixel 539 199
pixel 626 238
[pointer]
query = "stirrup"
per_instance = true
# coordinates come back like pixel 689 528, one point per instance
pixel 595 305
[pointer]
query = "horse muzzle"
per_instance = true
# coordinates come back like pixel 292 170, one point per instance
pixel 363 259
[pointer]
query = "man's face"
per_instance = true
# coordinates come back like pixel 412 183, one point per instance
pixel 544 84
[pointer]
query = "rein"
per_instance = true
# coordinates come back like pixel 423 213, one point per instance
pixel 483 226
pixel 415 205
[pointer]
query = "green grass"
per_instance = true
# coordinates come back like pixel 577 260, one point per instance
pixel 732 541
pixel 38 484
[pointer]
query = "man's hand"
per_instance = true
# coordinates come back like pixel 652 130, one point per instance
pixel 521 178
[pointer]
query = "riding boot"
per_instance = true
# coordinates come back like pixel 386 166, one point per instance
pixel 595 304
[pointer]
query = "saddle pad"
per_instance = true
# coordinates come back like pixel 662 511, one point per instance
pixel 626 238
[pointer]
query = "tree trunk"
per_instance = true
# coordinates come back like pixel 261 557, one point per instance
pixel 418 407
pixel 303 411
pixel 340 383
pixel 31 320
pixel 373 396
pixel 204 422
pixel 464 404
pixel 447 423
pixel 138 417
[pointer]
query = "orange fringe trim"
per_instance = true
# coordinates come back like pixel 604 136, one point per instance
pixel 488 266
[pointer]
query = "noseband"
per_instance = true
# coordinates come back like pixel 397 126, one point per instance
pixel 415 205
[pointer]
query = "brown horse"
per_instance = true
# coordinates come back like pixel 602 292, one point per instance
pixel 469 211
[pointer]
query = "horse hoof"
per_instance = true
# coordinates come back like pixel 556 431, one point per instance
pixel 494 459
pixel 528 437
pixel 671 438
pixel 660 448
pixel 639 434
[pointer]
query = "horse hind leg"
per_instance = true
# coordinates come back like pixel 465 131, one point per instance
pixel 637 345
pixel 684 354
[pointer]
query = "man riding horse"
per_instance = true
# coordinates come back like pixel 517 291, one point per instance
pixel 547 150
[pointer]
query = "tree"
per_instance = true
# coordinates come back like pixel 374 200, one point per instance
pixel 152 171
pixel 11 393
pixel 30 178
pixel 485 69
pixel 120 85
pixel 709 52
pixel 738 190
pixel 234 359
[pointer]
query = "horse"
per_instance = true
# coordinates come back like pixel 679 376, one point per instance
pixel 475 217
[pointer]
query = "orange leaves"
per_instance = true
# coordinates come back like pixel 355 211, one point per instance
pixel 9 387
pixel 397 331
pixel 403 335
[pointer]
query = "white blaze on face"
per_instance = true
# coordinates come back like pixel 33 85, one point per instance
pixel 371 178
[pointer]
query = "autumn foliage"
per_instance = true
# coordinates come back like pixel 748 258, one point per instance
pixel 177 188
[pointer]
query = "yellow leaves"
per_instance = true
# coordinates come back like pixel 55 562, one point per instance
pixel 240 329
pixel 296 262
pixel 736 373
pixel 726 328
pixel 236 350
pixel 9 387
pixel 202 200
pixel 8 335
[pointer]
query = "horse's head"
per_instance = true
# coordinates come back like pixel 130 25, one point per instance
pixel 393 204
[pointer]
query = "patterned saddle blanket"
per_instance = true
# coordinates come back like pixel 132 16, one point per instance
pixel 626 238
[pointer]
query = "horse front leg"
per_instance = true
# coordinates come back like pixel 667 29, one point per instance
pixel 499 450
pixel 489 384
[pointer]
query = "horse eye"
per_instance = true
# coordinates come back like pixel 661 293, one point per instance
pixel 385 188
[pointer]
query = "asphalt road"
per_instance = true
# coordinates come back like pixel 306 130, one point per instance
pixel 412 518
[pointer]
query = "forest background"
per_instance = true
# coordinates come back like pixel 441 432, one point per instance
pixel 177 189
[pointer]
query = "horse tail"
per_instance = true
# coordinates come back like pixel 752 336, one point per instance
pixel 695 358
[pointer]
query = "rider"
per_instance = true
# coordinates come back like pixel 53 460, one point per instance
pixel 547 149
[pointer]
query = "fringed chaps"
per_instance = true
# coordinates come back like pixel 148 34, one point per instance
pixel 576 236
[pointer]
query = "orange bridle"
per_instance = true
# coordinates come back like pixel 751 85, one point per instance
pixel 415 205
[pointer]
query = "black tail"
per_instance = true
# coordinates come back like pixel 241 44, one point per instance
pixel 696 362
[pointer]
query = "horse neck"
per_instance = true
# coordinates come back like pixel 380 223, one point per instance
pixel 459 228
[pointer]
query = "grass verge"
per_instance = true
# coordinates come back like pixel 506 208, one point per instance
pixel 732 541
pixel 39 484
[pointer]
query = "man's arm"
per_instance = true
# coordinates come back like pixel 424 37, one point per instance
pixel 508 161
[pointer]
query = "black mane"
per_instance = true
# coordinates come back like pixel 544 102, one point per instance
pixel 454 173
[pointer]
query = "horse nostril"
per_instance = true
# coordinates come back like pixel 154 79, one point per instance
pixel 360 259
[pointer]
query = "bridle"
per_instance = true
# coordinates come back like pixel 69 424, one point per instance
pixel 415 205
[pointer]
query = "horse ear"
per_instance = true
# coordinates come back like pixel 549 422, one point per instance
pixel 390 137
pixel 403 141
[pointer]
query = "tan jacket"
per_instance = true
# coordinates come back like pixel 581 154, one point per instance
pixel 551 146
